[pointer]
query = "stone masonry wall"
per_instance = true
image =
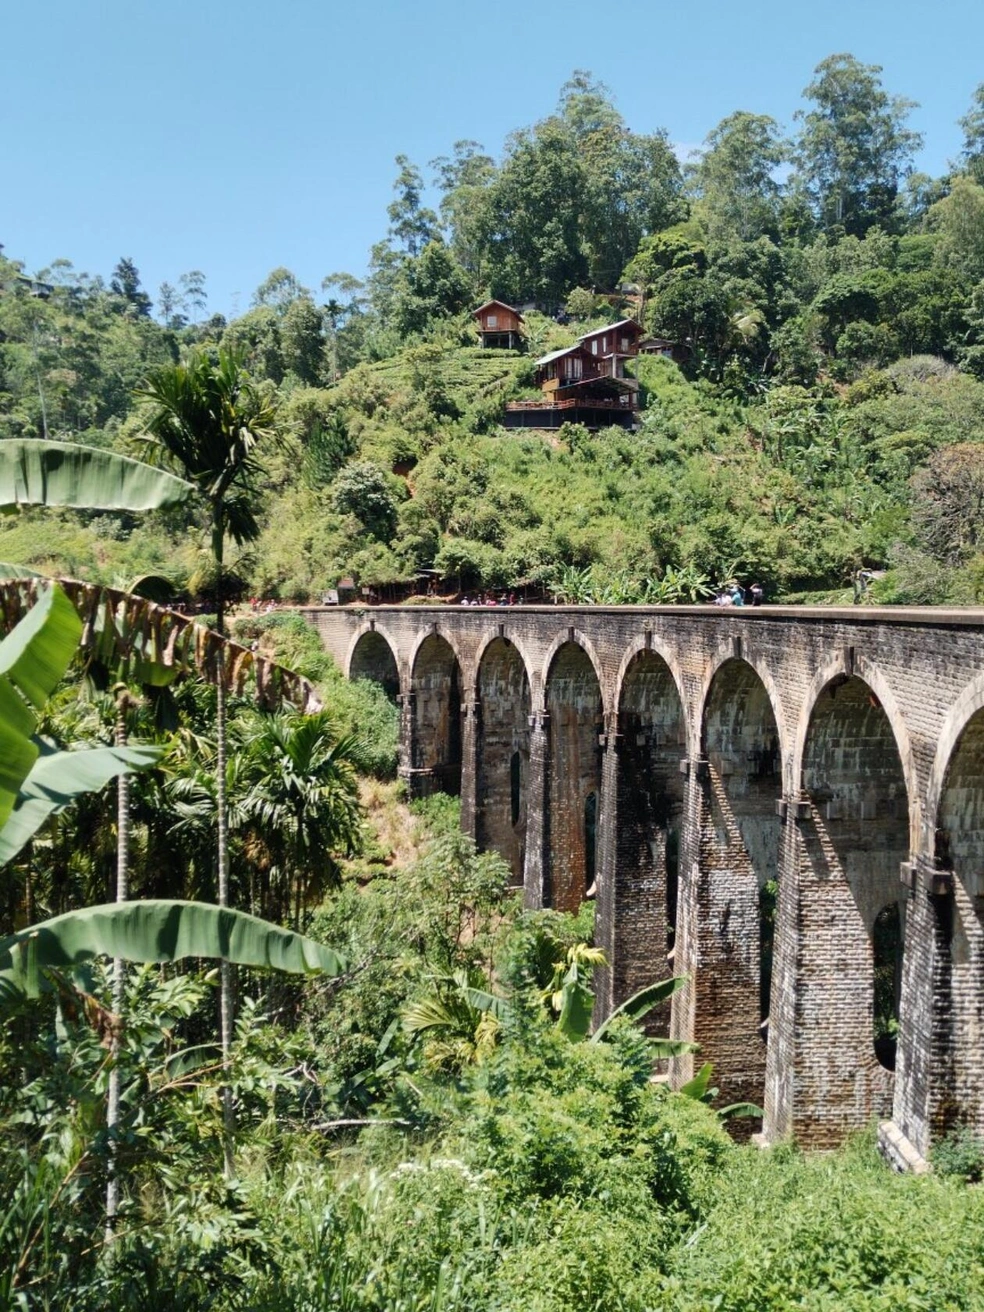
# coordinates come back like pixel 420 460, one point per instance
pixel 860 799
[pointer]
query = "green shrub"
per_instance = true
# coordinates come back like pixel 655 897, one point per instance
pixel 961 1154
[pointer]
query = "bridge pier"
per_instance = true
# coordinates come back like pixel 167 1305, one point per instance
pixel 536 864
pixel 470 734
pixel 564 728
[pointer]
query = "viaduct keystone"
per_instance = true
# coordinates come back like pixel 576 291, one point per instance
pixel 785 805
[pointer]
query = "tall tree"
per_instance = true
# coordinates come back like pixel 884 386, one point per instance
pixel 531 238
pixel 632 182
pixel 207 422
pixel 412 225
pixel 463 178
pixel 972 154
pixel 193 293
pixel 433 286
pixel 734 180
pixel 854 146
pixel 126 284
pixel 302 341
pixel 167 304
pixel 340 314
pixel 279 289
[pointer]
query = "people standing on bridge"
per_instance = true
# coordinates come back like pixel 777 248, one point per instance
pixel 737 596
pixel 757 594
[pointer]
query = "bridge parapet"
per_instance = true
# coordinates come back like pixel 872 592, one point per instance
pixel 740 789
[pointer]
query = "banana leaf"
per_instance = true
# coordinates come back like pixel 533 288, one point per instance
pixel 739 1109
pixel 58 778
pixel 699 1087
pixel 10 571
pixel 640 1004
pixel 155 931
pixel 39 473
pixel 576 1002
pixel 152 644
pixel 33 657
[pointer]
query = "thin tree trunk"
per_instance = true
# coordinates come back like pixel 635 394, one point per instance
pixel 119 976
pixel 225 990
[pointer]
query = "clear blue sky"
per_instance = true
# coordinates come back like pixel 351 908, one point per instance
pixel 234 137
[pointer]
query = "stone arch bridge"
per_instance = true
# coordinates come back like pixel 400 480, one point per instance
pixel 784 804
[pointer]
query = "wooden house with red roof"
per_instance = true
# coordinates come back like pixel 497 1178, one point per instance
pixel 586 383
pixel 499 326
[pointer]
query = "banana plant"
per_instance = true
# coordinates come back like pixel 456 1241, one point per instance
pixel 640 1005
pixel 701 1090
pixel 42 473
pixel 154 931
pixel 36 780
pixel 569 992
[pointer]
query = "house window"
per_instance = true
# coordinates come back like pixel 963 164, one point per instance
pixel 604 343
pixel 594 346
pixel 492 321
pixel 625 345
pixel 576 366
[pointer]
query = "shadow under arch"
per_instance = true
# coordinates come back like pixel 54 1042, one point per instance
pixel 730 930
pixel 651 643
pixel 506 633
pixel 574 720
pixel 964 709
pixel 724 655
pixel 837 669
pixel 372 655
pixel 572 636
pixel 956 811
pixel 850 848
pixel 503 751
pixel 435 717
pixel 646 813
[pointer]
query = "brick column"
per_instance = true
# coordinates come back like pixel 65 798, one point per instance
pixel 606 934
pixel 470 713
pixel 406 702
pixel 780 1067
pixel 924 1073
pixel 635 916
pixel 727 964
pixel 535 873
pixel 686 945
pixel 823 1080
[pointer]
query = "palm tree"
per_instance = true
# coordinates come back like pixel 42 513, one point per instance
pixel 299 805
pixel 206 421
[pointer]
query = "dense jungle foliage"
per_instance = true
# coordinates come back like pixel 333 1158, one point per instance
pixel 827 416
pixel 434 1129
pixel 403 1143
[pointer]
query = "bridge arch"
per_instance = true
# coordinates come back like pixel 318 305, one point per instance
pixel 502 686
pixel 650 643
pixel 739 782
pixel 956 812
pixel 646 813
pixel 372 655
pixel 844 665
pixel 506 633
pixel 851 844
pixel 577 638
pixel 435 708
pixel 964 709
pixel 573 701
pixel 725 656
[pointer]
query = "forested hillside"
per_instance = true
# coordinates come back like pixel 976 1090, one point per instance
pixel 828 303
